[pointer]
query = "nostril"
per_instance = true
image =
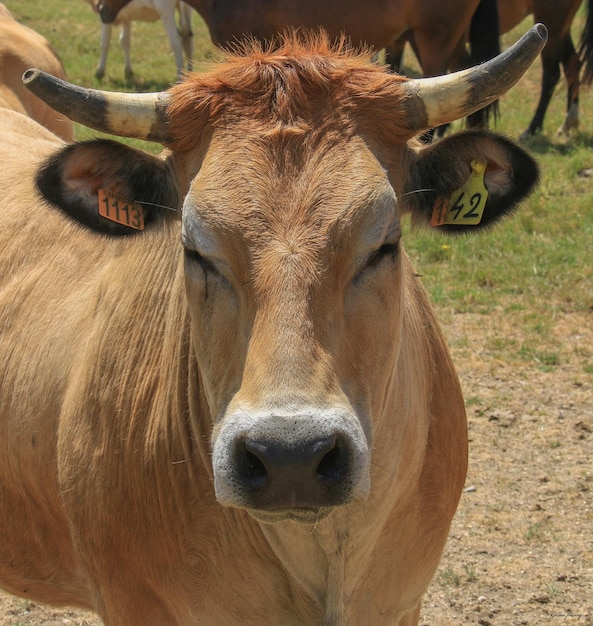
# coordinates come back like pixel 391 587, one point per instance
pixel 301 466
pixel 332 466
pixel 252 470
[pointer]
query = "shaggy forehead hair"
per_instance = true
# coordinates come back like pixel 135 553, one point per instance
pixel 290 85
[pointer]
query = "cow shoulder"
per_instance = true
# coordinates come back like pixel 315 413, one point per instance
pixel 468 181
pixel 82 176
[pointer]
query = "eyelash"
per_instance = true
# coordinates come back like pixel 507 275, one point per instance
pixel 387 249
pixel 204 263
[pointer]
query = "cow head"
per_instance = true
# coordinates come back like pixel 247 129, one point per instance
pixel 290 171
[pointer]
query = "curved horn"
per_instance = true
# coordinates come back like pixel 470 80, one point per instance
pixel 137 115
pixel 431 102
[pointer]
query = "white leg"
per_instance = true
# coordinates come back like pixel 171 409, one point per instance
pixel 571 121
pixel 187 36
pixel 174 38
pixel 105 42
pixel 125 39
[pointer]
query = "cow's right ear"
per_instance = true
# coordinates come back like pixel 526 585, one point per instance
pixel 468 181
pixel 109 187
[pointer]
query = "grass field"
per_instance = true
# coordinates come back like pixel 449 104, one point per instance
pixel 517 307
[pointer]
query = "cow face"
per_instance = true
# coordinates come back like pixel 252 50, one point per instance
pixel 293 277
pixel 305 313
pixel 295 284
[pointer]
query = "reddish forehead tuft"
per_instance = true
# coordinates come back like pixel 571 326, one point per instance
pixel 289 85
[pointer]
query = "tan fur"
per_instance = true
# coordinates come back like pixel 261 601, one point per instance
pixel 121 365
pixel 20 49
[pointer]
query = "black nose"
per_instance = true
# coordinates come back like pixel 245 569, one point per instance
pixel 303 474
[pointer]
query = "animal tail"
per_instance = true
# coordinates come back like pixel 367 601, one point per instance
pixel 586 45
pixel 484 44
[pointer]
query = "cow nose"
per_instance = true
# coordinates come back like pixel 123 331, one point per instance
pixel 307 475
pixel 290 465
pixel 262 463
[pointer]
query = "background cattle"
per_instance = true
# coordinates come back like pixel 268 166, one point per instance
pixel 436 28
pixel 181 38
pixel 558 17
pixel 261 419
pixel 20 49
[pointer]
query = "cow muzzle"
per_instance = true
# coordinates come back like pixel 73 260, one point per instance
pixel 295 466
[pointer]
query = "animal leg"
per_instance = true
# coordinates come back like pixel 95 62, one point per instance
pixel 106 30
pixel 394 54
pixel 550 78
pixel 571 65
pixel 187 35
pixel 125 39
pixel 435 55
pixel 174 39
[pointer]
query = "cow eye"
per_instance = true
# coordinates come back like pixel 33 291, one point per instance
pixel 387 250
pixel 195 257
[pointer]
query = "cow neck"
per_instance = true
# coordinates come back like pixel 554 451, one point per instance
pixel 321 559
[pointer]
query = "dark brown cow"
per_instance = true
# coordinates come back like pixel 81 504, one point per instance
pixel 558 16
pixel 436 28
pixel 225 397
pixel 21 48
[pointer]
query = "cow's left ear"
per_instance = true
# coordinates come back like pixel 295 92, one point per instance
pixel 468 181
pixel 109 187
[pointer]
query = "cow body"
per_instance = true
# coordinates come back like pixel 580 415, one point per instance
pixel 146 455
pixel 181 38
pixel 21 48
pixel 559 52
pixel 247 412
pixel 437 29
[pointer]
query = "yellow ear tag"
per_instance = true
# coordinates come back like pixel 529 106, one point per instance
pixel 465 207
pixel 131 215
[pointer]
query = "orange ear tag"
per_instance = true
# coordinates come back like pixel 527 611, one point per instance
pixel 466 205
pixel 131 215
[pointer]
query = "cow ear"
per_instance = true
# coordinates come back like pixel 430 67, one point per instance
pixel 109 187
pixel 468 181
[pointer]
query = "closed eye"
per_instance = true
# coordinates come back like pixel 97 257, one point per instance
pixel 195 257
pixel 387 250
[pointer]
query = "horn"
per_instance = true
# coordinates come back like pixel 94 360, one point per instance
pixel 431 102
pixel 137 115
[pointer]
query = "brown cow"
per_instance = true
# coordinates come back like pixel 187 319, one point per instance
pixel 558 16
pixel 243 411
pixel 560 51
pixel 436 28
pixel 21 48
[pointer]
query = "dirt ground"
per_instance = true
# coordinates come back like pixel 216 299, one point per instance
pixel 521 546
pixel 520 549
